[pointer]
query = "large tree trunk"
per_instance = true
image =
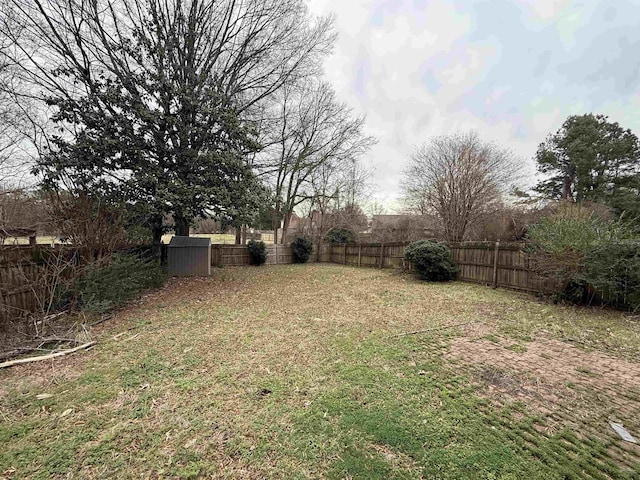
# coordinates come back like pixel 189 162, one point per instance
pixel 276 224
pixel 181 225
pixel 244 235
pixel 566 187
pixel 157 231
pixel 285 227
pixel 238 236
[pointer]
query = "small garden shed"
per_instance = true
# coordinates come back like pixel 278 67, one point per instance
pixel 189 256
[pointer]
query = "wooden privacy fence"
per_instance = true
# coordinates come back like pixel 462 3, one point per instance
pixel 237 255
pixel 379 255
pixel 501 265
pixel 20 291
pixel 497 264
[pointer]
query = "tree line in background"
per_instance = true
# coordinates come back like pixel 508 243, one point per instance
pixel 177 112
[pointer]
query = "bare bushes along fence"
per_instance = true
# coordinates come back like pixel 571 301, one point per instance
pixel 28 277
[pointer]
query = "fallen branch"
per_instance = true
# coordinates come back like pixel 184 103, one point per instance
pixel 46 357
pixel 16 352
pixel 20 351
pixel 416 332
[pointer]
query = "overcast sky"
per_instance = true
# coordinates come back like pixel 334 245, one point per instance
pixel 512 70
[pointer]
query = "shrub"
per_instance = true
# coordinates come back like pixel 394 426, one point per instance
pixel 340 235
pixel 106 286
pixel 139 235
pixel 431 260
pixel 301 249
pixel 579 246
pixel 613 271
pixel 257 252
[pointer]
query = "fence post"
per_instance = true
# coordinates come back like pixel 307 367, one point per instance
pixel 345 254
pixel 381 253
pixel 359 254
pixel 495 264
pixel 276 253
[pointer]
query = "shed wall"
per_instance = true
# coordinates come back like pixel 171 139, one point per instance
pixel 189 261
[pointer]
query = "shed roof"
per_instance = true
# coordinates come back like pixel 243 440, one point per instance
pixel 186 242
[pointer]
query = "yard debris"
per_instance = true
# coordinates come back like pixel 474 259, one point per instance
pixel 623 432
pixel 43 396
pixel 444 327
pixel 46 357
pixel 66 412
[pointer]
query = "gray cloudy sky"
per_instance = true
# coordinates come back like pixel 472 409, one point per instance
pixel 512 70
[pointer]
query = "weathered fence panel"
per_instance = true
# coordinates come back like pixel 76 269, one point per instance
pixel 20 291
pixel 377 255
pixel 511 268
pixel 238 255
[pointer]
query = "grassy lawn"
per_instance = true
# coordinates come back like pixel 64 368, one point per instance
pixel 299 372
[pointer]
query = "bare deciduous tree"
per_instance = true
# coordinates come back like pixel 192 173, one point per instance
pixel 458 178
pixel 337 192
pixel 14 122
pixel 316 139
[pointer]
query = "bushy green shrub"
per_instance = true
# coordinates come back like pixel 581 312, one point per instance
pixel 301 249
pixel 257 252
pixel 340 235
pixel 103 287
pixel 579 247
pixel 613 271
pixel 139 235
pixel 431 260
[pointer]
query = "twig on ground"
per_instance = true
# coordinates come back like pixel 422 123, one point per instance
pixel 46 357
pixel 103 318
pixel 444 327
pixel 51 317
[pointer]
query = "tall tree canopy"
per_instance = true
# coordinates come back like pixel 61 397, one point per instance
pixel 314 139
pixel 591 159
pixel 458 178
pixel 157 99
